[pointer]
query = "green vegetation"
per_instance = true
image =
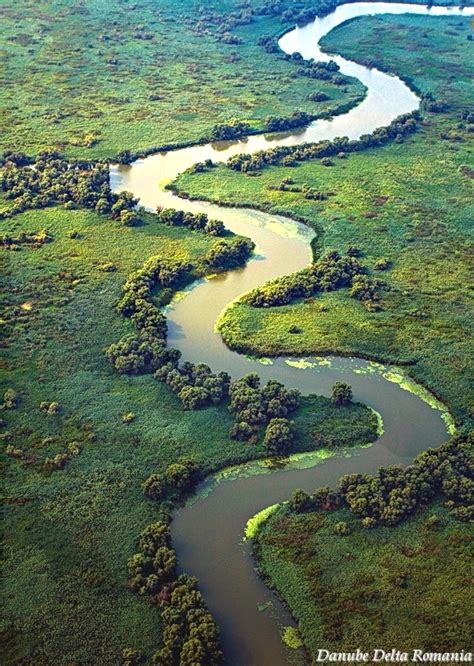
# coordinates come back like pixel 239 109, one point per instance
pixel 93 82
pixel 81 439
pixel 94 456
pixel 348 586
pixel 405 207
pixel 190 634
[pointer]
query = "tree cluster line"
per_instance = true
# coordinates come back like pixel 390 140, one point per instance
pixel 253 407
pixel 50 180
pixel 333 271
pixel 394 493
pixel 190 634
pixel 290 155
pixel 145 351
pixel 194 221
pixel 221 26
pixel 32 238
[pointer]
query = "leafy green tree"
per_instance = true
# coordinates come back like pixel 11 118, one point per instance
pixel 155 487
pixel 301 501
pixel 279 436
pixel 341 394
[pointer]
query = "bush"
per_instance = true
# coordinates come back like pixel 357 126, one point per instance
pixel 301 501
pixel 10 399
pixel 253 406
pixel 382 264
pixel 155 487
pixel 129 218
pixel 224 255
pixel 183 475
pixel 329 273
pixel 318 97
pixel 279 436
pixel 341 528
pixel 132 657
pixel 50 408
pixel 194 397
pixel 341 394
pixel 234 129
pixel 242 432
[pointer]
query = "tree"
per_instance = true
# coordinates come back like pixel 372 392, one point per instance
pixel 10 399
pixel 279 436
pixel 341 394
pixel 301 501
pixel 154 487
pixel 194 397
pixel 182 475
pixel 129 218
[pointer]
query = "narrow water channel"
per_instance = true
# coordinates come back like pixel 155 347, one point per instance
pixel 207 532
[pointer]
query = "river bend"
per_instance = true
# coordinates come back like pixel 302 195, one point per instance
pixel 207 532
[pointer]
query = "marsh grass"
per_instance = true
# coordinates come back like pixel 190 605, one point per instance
pixel 93 81
pixel 70 532
pixel 371 588
pixel 409 203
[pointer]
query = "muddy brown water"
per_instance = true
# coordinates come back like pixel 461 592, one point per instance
pixel 208 532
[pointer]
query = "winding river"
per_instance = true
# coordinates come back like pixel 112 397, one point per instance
pixel 207 532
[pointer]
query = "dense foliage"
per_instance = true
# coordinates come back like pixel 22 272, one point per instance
pixel 394 493
pixel 329 273
pixel 390 202
pixel 67 533
pixel 378 588
pixel 51 179
pixel 254 407
pixel 196 222
pixel 190 634
pixel 196 63
pixel 290 155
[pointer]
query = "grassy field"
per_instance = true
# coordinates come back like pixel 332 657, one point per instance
pixel 95 82
pixel 70 532
pixel 92 81
pixel 410 203
pixel 405 587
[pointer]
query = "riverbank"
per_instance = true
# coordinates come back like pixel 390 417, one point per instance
pixel 389 203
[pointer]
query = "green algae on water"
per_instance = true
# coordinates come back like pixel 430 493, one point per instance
pixel 397 376
pixel 292 638
pixel 305 364
pixel 254 523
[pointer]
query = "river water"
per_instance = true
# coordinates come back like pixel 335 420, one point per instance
pixel 207 532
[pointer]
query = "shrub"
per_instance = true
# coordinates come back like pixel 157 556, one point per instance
pixel 234 129
pixel 50 408
pixel 10 399
pixel 279 436
pixel 301 501
pixel 224 255
pixel 382 264
pixel 242 432
pixel 194 397
pixel 318 97
pixel 183 475
pixel 132 657
pixel 341 528
pixel 341 394
pixel 155 487
pixel 129 218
